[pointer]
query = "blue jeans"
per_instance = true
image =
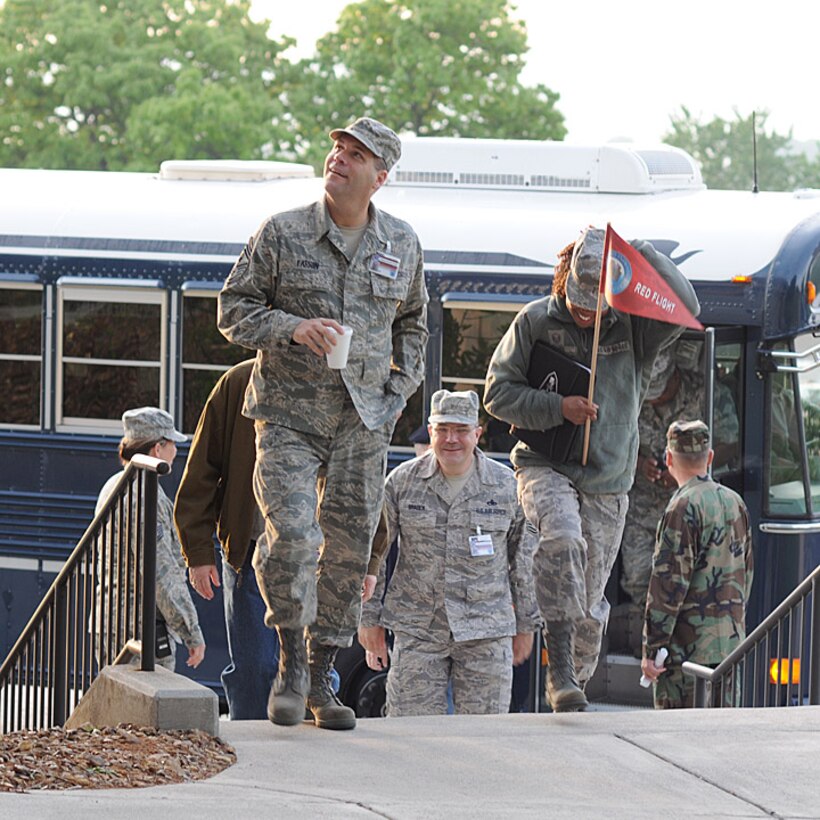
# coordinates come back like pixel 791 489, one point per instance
pixel 252 647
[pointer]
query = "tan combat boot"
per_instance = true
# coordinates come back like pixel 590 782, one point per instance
pixel 328 711
pixel 286 703
pixel 563 691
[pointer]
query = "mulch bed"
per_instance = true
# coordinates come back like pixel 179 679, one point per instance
pixel 121 757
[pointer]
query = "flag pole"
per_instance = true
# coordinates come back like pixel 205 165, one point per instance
pixel 595 339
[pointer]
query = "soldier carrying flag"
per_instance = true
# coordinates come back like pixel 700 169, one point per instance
pixel 579 508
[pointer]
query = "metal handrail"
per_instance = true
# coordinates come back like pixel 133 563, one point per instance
pixel 811 357
pixel 84 620
pixel 792 632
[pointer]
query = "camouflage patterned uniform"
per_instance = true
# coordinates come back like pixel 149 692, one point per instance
pixel 647 499
pixel 312 420
pixel 579 510
pixel 453 614
pixel 173 597
pixel 700 583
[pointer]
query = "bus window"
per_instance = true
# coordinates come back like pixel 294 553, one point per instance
pixel 794 434
pixel 206 353
pixel 470 338
pixel 20 360
pixel 728 413
pixel 111 353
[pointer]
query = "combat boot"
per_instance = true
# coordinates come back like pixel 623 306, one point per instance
pixel 328 711
pixel 286 703
pixel 563 691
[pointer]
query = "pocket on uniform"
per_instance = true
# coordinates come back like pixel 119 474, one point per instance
pixel 385 288
pixel 496 521
pixel 302 278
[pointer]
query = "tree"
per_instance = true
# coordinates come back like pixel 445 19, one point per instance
pixel 430 67
pixel 124 84
pixel 725 152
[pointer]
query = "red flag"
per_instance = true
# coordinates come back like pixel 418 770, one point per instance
pixel 634 286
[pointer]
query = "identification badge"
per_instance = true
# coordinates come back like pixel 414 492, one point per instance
pixel 385 264
pixel 481 544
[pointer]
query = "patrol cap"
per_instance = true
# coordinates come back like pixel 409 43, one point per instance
pixel 687 437
pixel 459 407
pixel 376 136
pixel 585 269
pixel 149 424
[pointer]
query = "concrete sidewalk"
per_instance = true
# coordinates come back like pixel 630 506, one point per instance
pixel 640 764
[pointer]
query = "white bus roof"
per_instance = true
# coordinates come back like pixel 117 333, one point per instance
pixel 474 223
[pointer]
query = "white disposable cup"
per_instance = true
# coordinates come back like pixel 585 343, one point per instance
pixel 337 358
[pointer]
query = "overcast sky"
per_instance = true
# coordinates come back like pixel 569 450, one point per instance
pixel 622 68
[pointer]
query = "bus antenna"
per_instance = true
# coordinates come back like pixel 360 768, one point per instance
pixel 755 188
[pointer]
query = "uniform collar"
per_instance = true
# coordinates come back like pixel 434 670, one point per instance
pixel 324 225
pixel 429 468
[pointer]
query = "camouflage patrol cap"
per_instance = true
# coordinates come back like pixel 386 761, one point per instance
pixel 687 437
pixel 150 424
pixel 376 136
pixel 585 269
pixel 454 408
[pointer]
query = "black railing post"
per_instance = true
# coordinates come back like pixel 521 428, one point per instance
pixel 535 674
pixel 814 644
pixel 59 654
pixel 149 573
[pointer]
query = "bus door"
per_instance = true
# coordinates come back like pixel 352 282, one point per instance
pixel 724 401
pixel 790 523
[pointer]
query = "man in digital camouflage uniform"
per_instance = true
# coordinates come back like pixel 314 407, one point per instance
pixel 578 509
pixel 675 393
pixel 701 570
pixel 301 276
pixel 461 601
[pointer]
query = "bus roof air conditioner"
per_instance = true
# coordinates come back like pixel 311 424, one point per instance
pixel 615 168
pixel 232 170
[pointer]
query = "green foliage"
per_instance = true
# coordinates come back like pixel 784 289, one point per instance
pixel 724 150
pixel 124 84
pixel 430 67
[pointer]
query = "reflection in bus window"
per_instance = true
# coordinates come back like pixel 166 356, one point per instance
pixel 795 404
pixel 809 382
pixel 469 341
pixel 20 332
pixel 728 413
pixel 785 441
pixel 111 345
pixel 206 355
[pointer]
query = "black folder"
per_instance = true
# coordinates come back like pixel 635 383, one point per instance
pixel 555 372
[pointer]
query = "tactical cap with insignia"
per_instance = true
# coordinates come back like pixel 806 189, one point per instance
pixel 585 269
pixel 687 437
pixel 376 136
pixel 459 407
pixel 150 424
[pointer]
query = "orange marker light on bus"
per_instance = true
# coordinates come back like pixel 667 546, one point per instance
pixel 811 292
pixel 742 279
pixel 779 671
